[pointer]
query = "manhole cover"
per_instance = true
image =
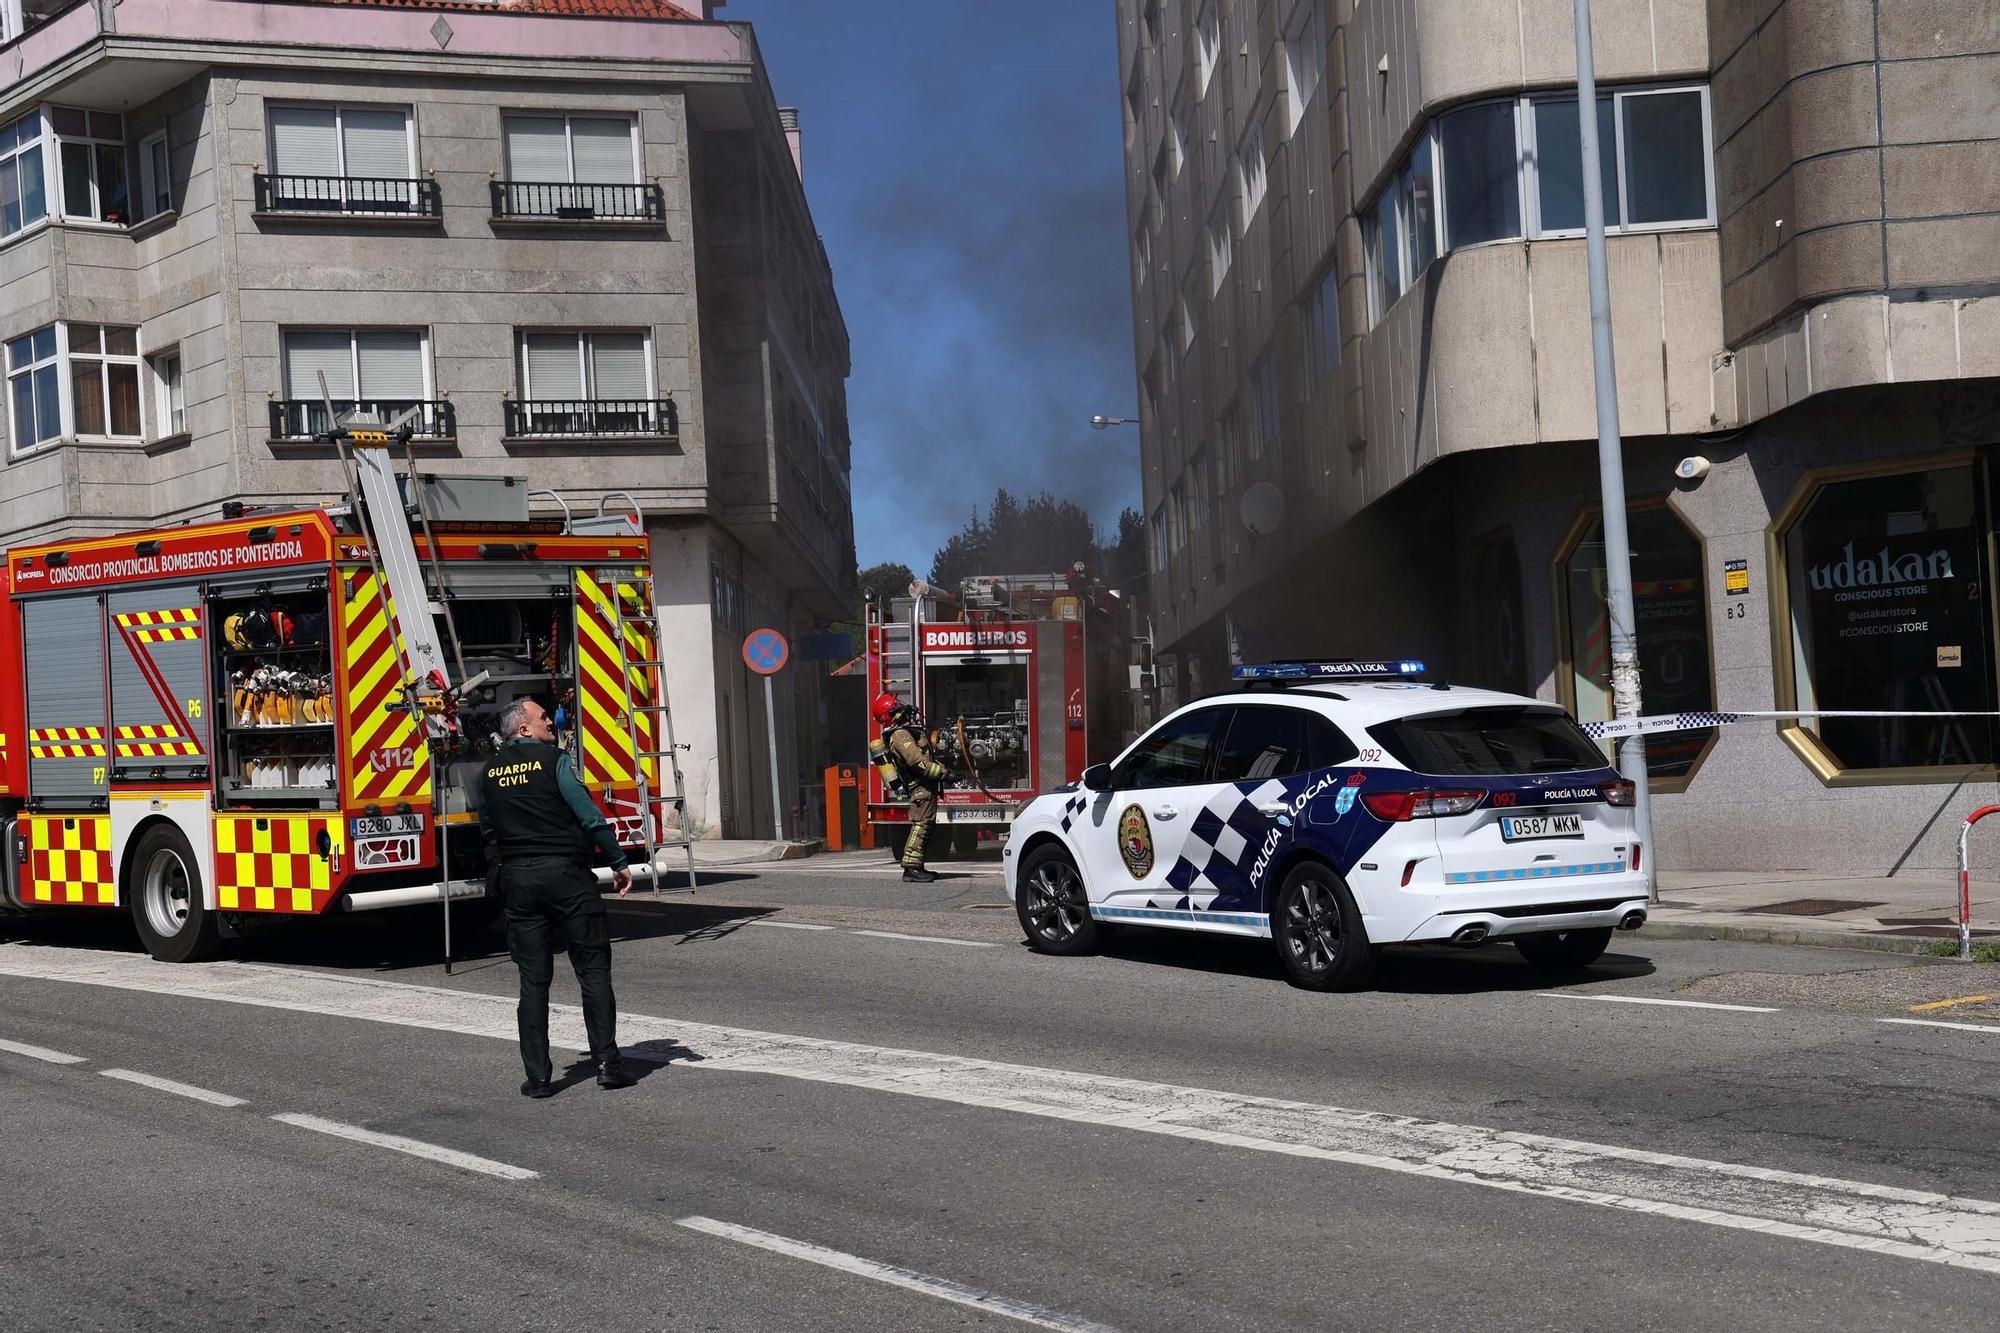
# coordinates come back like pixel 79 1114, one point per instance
pixel 1809 907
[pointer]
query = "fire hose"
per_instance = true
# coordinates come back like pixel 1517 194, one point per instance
pixel 972 768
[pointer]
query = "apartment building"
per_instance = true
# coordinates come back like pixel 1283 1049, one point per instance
pixel 1362 339
pixel 572 234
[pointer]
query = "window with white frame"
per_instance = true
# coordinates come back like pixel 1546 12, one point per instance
pixel 1264 405
pixel 1159 527
pixel 1305 62
pixel 1199 498
pixel 585 382
pixel 385 371
pixel 1503 170
pixel 169 396
pixel 1176 145
pixel 579 150
pixel 355 159
pixel 1177 517
pixel 34 390
pixel 1183 323
pixel 156 195
pixel 23 192
pixel 104 380
pixel 1251 177
pixel 91 148
pixel 1207 46
pixel 1323 326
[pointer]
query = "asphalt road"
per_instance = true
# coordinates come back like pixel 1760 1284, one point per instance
pixel 867 1106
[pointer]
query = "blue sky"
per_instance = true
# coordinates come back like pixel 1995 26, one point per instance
pixel 964 162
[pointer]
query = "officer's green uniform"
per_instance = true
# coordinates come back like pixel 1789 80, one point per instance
pixel 540 822
pixel 923 775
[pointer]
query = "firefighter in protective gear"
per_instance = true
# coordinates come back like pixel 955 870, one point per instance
pixel 903 729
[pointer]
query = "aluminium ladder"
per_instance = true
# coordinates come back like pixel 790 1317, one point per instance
pixel 642 625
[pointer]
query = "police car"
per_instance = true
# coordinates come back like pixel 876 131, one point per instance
pixel 1336 807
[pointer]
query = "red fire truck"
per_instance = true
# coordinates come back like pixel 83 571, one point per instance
pixel 206 723
pixel 1032 665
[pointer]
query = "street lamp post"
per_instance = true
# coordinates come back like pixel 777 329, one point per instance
pixel 1101 423
pixel 1611 459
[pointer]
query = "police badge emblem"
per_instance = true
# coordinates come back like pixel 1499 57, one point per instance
pixel 1135 842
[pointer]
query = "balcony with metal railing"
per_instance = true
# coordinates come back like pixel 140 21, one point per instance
pixel 643 204
pixel 301 419
pixel 592 418
pixel 377 198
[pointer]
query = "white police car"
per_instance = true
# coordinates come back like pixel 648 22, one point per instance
pixel 1336 807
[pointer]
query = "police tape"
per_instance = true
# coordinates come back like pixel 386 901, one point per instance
pixel 1646 726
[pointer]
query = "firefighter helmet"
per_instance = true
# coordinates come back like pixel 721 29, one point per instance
pixel 885 708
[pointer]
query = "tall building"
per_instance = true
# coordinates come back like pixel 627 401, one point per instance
pixel 1363 347
pixel 573 233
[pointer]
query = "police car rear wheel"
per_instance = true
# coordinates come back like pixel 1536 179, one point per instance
pixel 1318 931
pixel 166 898
pixel 1564 950
pixel 1053 905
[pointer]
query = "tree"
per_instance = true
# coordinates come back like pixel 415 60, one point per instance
pixel 1125 558
pixel 881 582
pixel 1044 535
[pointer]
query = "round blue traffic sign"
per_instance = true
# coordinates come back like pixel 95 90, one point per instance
pixel 766 652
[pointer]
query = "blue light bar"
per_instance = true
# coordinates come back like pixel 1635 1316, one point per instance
pixel 1398 670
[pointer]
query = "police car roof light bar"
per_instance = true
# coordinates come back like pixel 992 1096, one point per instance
pixel 1308 672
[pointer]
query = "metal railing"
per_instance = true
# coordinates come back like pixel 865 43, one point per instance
pixel 304 418
pixel 534 418
pixel 564 202
pixel 369 196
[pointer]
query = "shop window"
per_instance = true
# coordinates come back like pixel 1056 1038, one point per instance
pixel 1887 610
pixel 1671 609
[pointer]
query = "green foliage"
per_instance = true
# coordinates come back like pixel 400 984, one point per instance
pixel 1983 951
pixel 1042 535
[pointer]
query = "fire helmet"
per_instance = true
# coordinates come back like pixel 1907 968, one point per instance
pixel 885 707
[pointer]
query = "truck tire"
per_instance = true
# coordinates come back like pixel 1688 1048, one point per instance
pixel 165 894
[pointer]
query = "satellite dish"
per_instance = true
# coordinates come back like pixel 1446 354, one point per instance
pixel 1263 508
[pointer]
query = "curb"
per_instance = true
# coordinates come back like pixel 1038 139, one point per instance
pixel 784 851
pixel 1816 939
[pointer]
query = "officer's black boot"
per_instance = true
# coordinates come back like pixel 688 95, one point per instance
pixel 611 1073
pixel 916 874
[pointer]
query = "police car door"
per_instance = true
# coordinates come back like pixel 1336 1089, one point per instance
pixel 1255 811
pixel 1135 831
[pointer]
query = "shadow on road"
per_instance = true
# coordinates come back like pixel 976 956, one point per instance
pixel 1412 970
pixel 394 941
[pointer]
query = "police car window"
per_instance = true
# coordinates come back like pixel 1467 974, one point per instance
pixel 1474 742
pixel 1175 755
pixel 1268 741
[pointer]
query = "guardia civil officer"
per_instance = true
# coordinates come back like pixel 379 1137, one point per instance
pixel 542 827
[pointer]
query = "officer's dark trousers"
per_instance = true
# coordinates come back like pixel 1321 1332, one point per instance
pixel 553 902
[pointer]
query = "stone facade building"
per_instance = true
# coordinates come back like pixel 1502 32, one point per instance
pixel 1362 335
pixel 573 232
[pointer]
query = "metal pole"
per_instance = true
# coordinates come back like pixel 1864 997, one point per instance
pixel 1611 460
pixel 771 731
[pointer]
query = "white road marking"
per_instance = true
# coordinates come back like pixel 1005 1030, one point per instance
pixel 1993 1031
pixel 784 925
pixel 1646 999
pixel 159 1084
pixel 893 1276
pixel 924 939
pixel 1852 1214
pixel 40 1053
pixel 414 1147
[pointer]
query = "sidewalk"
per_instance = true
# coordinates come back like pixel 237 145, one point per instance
pixel 743 851
pixel 1799 907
